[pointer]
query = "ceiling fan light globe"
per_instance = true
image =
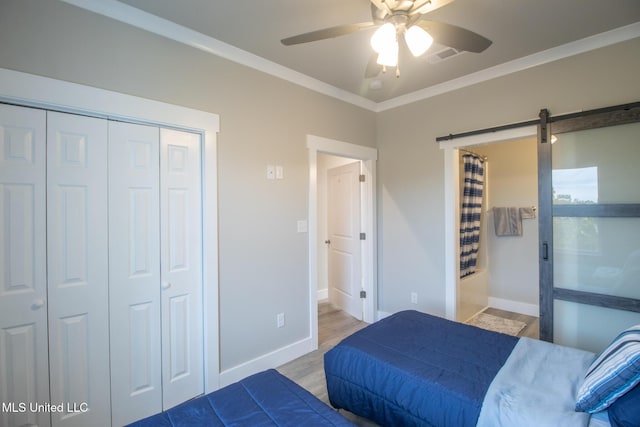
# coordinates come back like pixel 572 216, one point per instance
pixel 384 37
pixel 418 40
pixel 389 57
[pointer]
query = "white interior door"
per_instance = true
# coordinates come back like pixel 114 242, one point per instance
pixel 181 270
pixel 24 370
pixel 134 271
pixel 77 256
pixel 344 260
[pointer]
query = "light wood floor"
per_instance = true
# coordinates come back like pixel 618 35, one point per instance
pixel 308 370
pixel 334 325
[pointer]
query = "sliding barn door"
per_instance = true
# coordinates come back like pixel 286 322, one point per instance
pixel 24 371
pixel 181 270
pixel 77 255
pixel 134 271
pixel 589 226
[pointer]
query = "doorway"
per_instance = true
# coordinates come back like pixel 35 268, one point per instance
pixel 350 153
pixel 339 211
pixel 452 200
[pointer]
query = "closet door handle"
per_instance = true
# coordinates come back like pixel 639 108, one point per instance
pixel 37 304
pixel 165 285
pixel 545 251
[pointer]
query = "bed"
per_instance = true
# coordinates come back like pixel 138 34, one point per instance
pixel 264 399
pixel 414 369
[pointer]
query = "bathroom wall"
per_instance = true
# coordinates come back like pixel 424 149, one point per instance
pixel 513 260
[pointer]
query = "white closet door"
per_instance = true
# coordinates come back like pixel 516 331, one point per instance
pixel 134 271
pixel 77 269
pixel 181 247
pixel 24 370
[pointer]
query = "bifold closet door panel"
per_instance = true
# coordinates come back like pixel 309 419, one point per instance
pixel 181 274
pixel 24 364
pixel 134 271
pixel 77 253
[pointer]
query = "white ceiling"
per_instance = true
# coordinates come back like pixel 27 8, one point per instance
pixel 524 33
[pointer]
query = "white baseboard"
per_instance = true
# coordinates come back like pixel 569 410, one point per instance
pixel 383 314
pixel 323 295
pixel 267 361
pixel 515 306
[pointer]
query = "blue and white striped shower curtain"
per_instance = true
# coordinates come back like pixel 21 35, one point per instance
pixel 471 212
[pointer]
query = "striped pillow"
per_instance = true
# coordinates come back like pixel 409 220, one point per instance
pixel 615 371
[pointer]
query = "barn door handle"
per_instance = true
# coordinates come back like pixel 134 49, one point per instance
pixel 545 251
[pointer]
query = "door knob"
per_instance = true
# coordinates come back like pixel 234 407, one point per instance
pixel 165 285
pixel 327 242
pixel 39 303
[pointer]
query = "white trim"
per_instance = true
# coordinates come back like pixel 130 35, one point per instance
pixel 491 137
pixel 383 314
pixel 35 91
pixel 515 306
pixel 451 230
pixel 368 156
pixel 146 21
pixel 267 361
pixel 451 203
pixel 323 295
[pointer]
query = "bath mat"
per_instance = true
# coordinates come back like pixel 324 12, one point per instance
pixel 497 324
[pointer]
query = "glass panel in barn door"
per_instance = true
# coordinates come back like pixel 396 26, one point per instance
pixel 596 231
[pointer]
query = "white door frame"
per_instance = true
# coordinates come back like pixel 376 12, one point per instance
pixel 451 203
pixel 42 92
pixel 368 156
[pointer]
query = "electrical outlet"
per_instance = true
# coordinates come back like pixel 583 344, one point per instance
pixel 280 320
pixel 414 297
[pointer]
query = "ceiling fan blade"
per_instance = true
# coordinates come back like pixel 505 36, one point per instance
pixel 455 37
pixel 373 68
pixel 426 6
pixel 327 33
pixel 382 5
pixel 377 14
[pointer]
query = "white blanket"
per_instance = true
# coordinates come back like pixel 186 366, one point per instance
pixel 537 387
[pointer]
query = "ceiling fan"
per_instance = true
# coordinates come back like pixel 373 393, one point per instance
pixel 400 23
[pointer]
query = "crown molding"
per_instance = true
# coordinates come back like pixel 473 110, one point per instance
pixel 135 17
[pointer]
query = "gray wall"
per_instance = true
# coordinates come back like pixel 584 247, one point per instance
pixel 263 120
pixel 411 164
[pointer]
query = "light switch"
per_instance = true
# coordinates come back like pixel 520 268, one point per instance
pixel 279 172
pixel 302 226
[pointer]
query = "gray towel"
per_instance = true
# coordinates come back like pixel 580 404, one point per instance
pixel 507 221
pixel 528 213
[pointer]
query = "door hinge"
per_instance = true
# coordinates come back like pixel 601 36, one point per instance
pixel 362 178
pixel 363 236
pixel 363 294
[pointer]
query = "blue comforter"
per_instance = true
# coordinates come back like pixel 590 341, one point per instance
pixel 263 399
pixel 414 369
